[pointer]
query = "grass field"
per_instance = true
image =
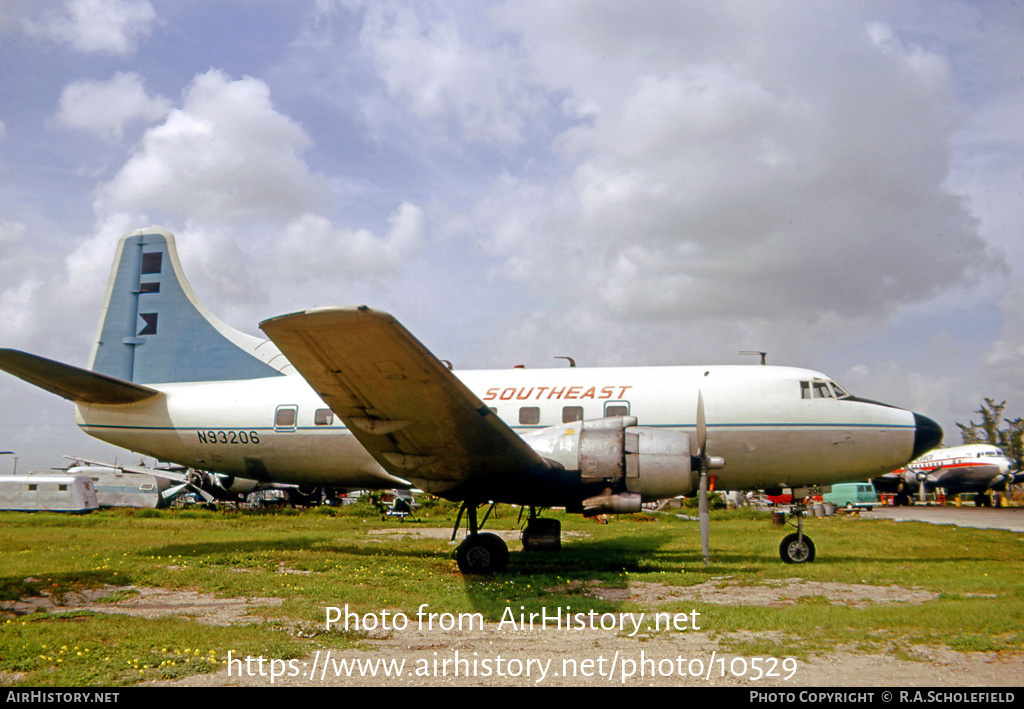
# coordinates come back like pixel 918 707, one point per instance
pixel 313 559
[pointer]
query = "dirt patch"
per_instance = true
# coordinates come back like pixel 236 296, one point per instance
pixel 773 592
pixel 778 593
pixel 146 603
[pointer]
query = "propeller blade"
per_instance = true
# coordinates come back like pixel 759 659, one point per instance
pixel 702 494
pixel 704 516
pixel 702 429
pixel 172 492
pixel 203 493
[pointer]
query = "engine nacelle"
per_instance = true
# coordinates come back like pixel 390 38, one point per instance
pixel 238 486
pixel 638 463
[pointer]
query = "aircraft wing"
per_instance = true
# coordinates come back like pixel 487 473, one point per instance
pixel 415 417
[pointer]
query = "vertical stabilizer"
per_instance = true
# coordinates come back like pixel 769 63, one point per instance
pixel 154 330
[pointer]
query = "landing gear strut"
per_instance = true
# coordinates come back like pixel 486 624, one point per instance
pixel 479 553
pixel 797 548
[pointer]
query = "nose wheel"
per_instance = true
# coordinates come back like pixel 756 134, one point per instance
pixel 797 548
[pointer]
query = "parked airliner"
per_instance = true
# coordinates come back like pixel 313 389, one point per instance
pixel 347 397
pixel 975 467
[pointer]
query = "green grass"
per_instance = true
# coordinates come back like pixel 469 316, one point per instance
pixel 332 557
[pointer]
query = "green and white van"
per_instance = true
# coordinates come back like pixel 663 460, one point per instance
pixel 852 495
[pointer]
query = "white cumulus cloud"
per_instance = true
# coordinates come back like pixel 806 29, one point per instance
pixel 98 26
pixel 226 154
pixel 313 246
pixel 106 107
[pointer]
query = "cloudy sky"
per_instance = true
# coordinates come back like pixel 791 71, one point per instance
pixel 839 184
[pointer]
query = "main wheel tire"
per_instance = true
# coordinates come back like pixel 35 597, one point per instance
pixel 795 550
pixel 482 554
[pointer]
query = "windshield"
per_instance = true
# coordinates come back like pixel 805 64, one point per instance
pixel 822 389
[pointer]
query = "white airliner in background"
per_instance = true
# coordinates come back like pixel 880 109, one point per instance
pixel 975 467
pixel 348 398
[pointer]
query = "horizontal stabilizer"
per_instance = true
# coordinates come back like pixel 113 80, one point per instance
pixel 78 385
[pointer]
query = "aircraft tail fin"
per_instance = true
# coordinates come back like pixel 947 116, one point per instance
pixel 153 329
pixel 78 385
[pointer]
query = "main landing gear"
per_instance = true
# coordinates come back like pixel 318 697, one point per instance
pixel 797 548
pixel 485 553
pixel 479 553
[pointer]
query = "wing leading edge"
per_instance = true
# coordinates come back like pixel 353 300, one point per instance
pixel 415 417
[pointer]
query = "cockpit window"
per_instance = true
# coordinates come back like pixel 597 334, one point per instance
pixel 839 391
pixel 820 389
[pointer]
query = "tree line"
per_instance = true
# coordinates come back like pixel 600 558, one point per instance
pixel 993 429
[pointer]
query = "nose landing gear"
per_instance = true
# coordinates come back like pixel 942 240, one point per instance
pixel 797 548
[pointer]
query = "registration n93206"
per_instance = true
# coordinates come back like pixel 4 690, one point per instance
pixel 229 437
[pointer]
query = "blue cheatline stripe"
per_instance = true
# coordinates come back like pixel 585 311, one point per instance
pixel 723 426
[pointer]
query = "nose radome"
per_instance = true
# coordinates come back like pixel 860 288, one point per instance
pixel 927 436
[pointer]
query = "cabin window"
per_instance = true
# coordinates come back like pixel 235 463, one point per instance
pixel 152 263
pixel 618 408
pixel 572 413
pixel 62 488
pixel 285 418
pixel 32 488
pixel 323 417
pixel 529 415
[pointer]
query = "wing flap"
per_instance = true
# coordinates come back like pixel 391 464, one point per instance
pixel 412 414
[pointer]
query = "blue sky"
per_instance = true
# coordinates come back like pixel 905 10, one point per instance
pixel 839 184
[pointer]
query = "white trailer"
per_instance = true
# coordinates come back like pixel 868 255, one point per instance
pixel 48 492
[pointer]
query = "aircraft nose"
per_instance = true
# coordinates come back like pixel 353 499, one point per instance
pixel 927 436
